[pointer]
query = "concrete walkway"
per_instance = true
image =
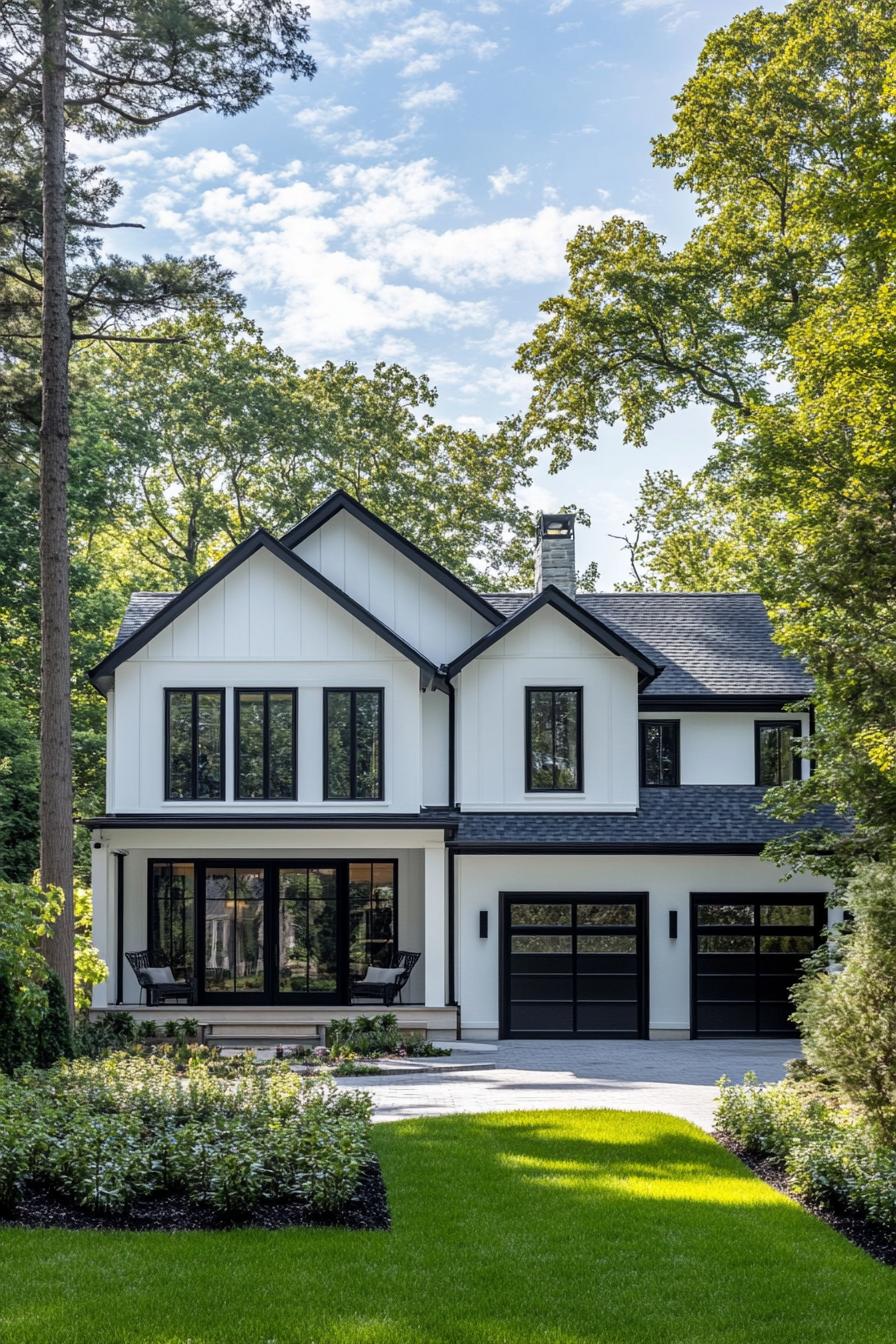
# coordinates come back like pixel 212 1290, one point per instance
pixel 677 1077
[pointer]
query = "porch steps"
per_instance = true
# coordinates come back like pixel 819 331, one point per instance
pixel 249 1025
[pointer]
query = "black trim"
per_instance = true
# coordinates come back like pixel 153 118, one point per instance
pixel 675 726
pixel 452 953
pixel 193 691
pixel 266 692
pixel 818 900
pixel 353 692
pixel 452 746
pixel 640 929
pixel 151 863
pixel 340 500
pixel 649 704
pixel 553 691
pixel 796 729
pixel 229 821
pixel 120 855
pixel 102 678
pixel 591 625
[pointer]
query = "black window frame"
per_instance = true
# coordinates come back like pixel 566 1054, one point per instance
pixel 675 726
pixel 194 691
pixel 267 692
pixel 796 730
pixel 578 691
pixel 352 795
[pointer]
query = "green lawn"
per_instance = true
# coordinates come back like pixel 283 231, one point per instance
pixel 559 1226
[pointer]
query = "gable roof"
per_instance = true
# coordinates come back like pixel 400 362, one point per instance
pixel 553 597
pixel 164 612
pixel 711 645
pixel 342 501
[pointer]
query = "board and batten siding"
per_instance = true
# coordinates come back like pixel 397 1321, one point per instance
pixel 264 625
pixel 546 650
pixel 395 590
pixel 719 747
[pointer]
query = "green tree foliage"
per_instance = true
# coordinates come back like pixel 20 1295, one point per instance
pixel 210 433
pixel 778 313
pixel 848 1020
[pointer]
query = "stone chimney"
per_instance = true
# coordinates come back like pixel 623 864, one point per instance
pixel 555 553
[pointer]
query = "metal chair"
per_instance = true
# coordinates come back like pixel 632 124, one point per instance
pixel 386 993
pixel 156 993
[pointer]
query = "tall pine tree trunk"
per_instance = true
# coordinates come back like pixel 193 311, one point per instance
pixel 56 847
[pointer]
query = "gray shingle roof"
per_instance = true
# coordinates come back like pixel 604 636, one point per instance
pixel 693 815
pixel 709 643
pixel 140 609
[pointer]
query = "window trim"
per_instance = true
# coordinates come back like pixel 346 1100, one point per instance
pixel 352 796
pixel 266 691
pixel 675 725
pixel 579 786
pixel 796 728
pixel 154 862
pixel 193 797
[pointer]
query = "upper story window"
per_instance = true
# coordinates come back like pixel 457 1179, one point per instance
pixel 553 739
pixel 353 744
pixel 777 761
pixel 194 745
pixel 660 754
pixel 265 732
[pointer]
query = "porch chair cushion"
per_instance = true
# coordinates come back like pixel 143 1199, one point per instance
pixel 158 975
pixel 381 975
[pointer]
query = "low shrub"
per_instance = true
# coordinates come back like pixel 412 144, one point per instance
pixel 373 1036
pixel 104 1133
pixel 829 1151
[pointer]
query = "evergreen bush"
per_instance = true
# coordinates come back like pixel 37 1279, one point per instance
pixel 54 1032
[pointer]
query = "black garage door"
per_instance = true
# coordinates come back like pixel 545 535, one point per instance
pixel 573 965
pixel 746 952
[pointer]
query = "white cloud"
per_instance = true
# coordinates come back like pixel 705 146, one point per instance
pixel 525 249
pixel 424 64
pixel 202 165
pixel 435 96
pixel 558 6
pixel 322 117
pixel 340 11
pixel 385 199
pixel 426 32
pixel 672 13
pixel 505 178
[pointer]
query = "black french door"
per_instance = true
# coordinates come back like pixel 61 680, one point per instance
pixel 292 932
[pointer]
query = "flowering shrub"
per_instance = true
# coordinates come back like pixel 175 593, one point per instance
pixel 830 1152
pixel 103 1133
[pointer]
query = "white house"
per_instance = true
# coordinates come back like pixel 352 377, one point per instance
pixel 329 750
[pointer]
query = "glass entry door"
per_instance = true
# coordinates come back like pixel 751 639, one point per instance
pixel 309 934
pixel 234 929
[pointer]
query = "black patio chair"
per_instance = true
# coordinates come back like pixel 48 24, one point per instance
pixel 158 991
pixel 385 991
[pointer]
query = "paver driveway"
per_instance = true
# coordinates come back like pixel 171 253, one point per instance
pixel 674 1076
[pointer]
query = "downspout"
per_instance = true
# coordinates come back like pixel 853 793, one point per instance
pixel 452 999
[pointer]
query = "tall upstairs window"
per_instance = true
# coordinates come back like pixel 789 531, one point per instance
pixel 553 739
pixel 659 753
pixel 194 745
pixel 353 745
pixel 777 761
pixel 265 731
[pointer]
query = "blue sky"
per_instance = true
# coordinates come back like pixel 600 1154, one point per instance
pixel 412 202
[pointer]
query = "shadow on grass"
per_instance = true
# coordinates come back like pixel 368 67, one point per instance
pixel 558 1227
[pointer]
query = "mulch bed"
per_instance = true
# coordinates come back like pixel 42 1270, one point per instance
pixel 367 1210
pixel 867 1236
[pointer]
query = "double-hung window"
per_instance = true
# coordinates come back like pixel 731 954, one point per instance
pixel 659 753
pixel 265 731
pixel 353 744
pixel 777 761
pixel 194 745
pixel 553 739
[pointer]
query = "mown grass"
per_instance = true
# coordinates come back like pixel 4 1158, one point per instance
pixel 562 1226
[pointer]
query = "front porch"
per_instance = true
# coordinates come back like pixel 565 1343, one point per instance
pixel 272 931
pixel 293 1025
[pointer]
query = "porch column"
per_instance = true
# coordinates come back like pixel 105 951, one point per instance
pixel 103 921
pixel 434 925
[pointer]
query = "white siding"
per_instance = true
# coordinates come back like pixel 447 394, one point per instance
pixel 718 747
pixel 418 608
pixel 546 650
pixel 263 625
pixel 434 708
pixel 668 880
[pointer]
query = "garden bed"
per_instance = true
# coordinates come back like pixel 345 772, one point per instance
pixel 868 1236
pixel 366 1209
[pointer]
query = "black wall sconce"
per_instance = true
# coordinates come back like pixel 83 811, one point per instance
pixel 483 923
pixel 673 923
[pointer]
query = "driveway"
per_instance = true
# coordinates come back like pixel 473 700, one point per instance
pixel 677 1077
